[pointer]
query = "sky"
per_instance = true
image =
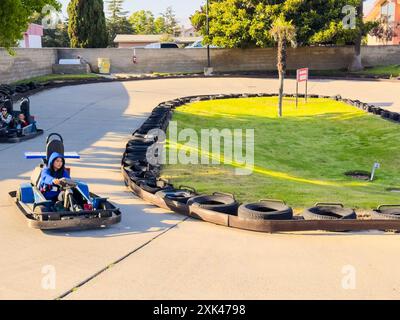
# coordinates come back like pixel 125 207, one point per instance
pixel 183 8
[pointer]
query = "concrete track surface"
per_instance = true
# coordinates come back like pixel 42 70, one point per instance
pixel 161 255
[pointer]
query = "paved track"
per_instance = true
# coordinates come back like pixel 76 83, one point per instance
pixel 168 256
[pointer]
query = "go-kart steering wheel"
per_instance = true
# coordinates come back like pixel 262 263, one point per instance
pixel 65 183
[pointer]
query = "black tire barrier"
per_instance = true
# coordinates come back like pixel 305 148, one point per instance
pixel 142 178
pixel 394 116
pixel 219 202
pixel 329 211
pixel 385 114
pixel 266 210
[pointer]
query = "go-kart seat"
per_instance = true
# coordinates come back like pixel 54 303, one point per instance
pixel 35 177
pixel 54 145
pixel 25 108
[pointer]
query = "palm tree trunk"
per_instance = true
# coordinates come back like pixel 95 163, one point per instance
pixel 282 47
pixel 281 81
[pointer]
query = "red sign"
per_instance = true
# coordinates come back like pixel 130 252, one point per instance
pixel 302 75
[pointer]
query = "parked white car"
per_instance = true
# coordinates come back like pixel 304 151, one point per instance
pixel 163 45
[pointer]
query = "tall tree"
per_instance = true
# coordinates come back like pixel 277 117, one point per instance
pixel 159 26
pixel 171 23
pixel 15 16
pixel 87 24
pixel 142 22
pixel 284 33
pixel 245 23
pixel 115 9
pixel 117 22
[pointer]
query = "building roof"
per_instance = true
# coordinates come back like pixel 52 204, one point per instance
pixel 146 38
pixel 35 30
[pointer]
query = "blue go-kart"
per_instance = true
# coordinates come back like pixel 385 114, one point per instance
pixel 80 209
pixel 14 134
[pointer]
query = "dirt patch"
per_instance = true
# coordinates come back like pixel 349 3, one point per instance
pixel 358 174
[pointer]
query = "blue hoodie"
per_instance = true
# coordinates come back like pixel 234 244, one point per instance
pixel 46 185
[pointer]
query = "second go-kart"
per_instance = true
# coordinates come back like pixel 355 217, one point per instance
pixel 15 133
pixel 80 209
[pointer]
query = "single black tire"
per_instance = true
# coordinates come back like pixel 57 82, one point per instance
pixel 132 159
pixel 143 175
pixel 391 213
pixel 395 116
pixel 153 185
pixel 178 195
pixel 265 210
pixel 105 206
pixel 385 114
pixel 329 212
pixel 43 214
pixel 217 202
pixel 140 142
pixel 137 148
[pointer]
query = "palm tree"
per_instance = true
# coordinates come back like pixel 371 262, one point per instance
pixel 284 33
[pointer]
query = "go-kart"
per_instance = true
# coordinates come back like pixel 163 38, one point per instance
pixel 80 208
pixel 14 134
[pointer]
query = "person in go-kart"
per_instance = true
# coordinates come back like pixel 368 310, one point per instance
pixel 5 118
pixel 21 121
pixel 50 179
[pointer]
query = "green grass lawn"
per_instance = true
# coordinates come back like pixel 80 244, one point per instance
pixel 55 77
pixel 300 158
pixel 392 71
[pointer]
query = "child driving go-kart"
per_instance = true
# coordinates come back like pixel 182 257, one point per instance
pixel 56 184
pixel 52 201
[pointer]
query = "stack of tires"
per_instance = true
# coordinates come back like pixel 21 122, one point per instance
pixel 140 161
pixel 6 90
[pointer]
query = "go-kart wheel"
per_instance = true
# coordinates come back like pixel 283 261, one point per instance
pixel 105 206
pixel 39 212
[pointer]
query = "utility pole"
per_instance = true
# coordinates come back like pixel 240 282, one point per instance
pixel 208 33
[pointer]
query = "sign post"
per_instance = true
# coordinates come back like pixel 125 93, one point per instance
pixel 301 76
pixel 376 166
pixel 134 58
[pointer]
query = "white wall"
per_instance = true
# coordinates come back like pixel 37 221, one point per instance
pixel 35 41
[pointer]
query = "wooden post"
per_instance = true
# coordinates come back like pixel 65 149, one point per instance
pixel 306 90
